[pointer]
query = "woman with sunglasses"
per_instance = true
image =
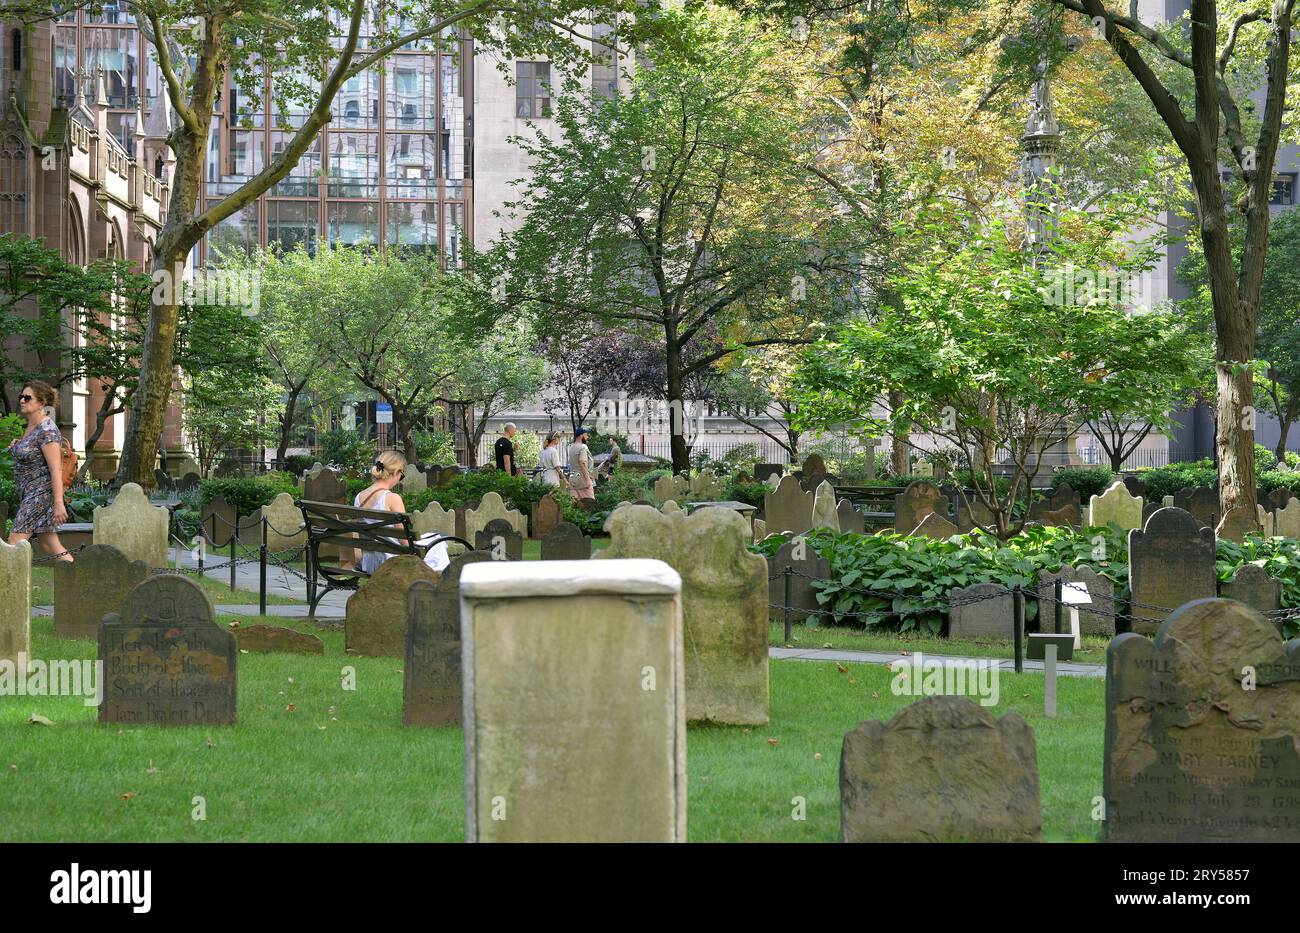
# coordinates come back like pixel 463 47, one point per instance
pixel 389 470
pixel 38 473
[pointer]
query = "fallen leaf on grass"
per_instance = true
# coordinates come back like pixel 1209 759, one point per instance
pixel 841 668
pixel 243 651
pixel 773 742
pixel 746 731
pixel 13 767
pixel 827 645
pixel 128 795
pixel 817 756
pixel 875 695
pixel 39 720
pixel 234 624
pixel 852 681
pixel 291 708
pixel 290 680
pixel 211 744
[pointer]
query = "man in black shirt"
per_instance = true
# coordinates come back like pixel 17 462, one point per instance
pixel 505 451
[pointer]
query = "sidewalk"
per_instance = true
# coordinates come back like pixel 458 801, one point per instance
pixel 1063 668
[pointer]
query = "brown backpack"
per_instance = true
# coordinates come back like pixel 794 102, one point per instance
pixel 69 457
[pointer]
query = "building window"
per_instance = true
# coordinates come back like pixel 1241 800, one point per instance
pixel 532 90
pixel 16 59
pixel 1283 189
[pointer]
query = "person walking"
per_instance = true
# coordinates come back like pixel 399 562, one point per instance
pixel 580 478
pixel 549 464
pixel 38 473
pixel 505 450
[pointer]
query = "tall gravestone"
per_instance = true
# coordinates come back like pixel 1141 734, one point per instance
pixel 545 762
pixel 375 615
pixel 500 540
pixel 813 464
pixel 1115 506
pixel 1202 502
pixel 806 566
pixel 1170 562
pixel 431 675
pixel 219 520
pixel 1286 521
pixel 942 770
pixel 1190 754
pixel 982 610
pixel 824 512
pixel 547 515
pixel 914 503
pixel 324 485
pixel 663 488
pixel 490 507
pixel 15 600
pixel 760 530
pixel 566 542
pixel 188 483
pixel 133 526
pixel 788 508
pixel 96 583
pixel 1059 507
pixel 1237 523
pixel 724 592
pixel 284 526
pixel 166 661
pixel 1253 586
pixel 1095 618
pixel 434 519
pixel 414 481
pixel 1265 521
pixel 851 520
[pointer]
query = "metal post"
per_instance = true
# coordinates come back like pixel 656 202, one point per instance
pixel 261 559
pixel 1018 626
pixel 789 587
pixel 1060 588
pixel 234 556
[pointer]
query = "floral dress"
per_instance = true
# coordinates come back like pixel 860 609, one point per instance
pixel 32 477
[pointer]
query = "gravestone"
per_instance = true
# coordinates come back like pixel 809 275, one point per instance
pixel 1201 502
pixel 446 476
pixel 1265 521
pixel 324 485
pixel 1236 524
pixel 667 508
pixel 1059 507
pixel 1171 562
pixel 813 464
pixel 95 584
pixel 434 519
pixel 705 485
pixel 500 540
pixel 284 527
pixel 1136 487
pixel 162 481
pixel 788 508
pixel 914 503
pixel 681 487
pixel 810 481
pixel 603 763
pixel 566 542
pixel 807 565
pixel 983 610
pixel 1191 756
pixel 275 639
pixel 972 514
pixel 936 527
pixel 547 515
pixel 375 616
pixel 1095 618
pixel 824 512
pixel 166 661
pixel 1277 499
pixel 760 529
pixel 492 506
pixel 1253 586
pixel 431 676
pixel 219 520
pixel 773 481
pixel 1115 505
pixel 133 526
pixel 763 470
pixel 942 770
pixel 924 469
pixel 663 488
pixel 851 520
pixel 15 600
pixel 414 481
pixel 724 592
pixel 1286 521
pixel 188 483
pixel 227 468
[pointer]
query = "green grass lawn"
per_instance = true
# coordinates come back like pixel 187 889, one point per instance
pixel 339 765
pixel 216 582
pixel 856 639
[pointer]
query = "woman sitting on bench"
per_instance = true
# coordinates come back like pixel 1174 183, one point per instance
pixel 387 472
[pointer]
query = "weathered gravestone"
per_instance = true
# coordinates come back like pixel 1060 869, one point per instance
pixel 681 487
pixel 810 481
pixel 1115 505
pixel 434 519
pixel 219 520
pixel 414 481
pixel 15 600
pixel 1190 755
pixel 724 592
pixel 914 503
pixel 851 520
pixel 375 616
pixel 492 506
pixel 935 527
pixel 1136 487
pixel 228 468
pixel 942 770
pixel 166 661
pixel 1265 521
pixel 972 514
pixel 1237 523
pixel 760 529
pixel 188 483
pixel 1201 502
pixel 431 676
pixel 267 639
pixel 547 515
pixel 1253 586
pixel 162 481
pixel 1059 507
pixel 133 526
pixel 667 508
pixel 500 540
pixel 566 542
pixel 813 464
pixel 1277 499
pixel 603 763
pixel 763 470
pixel 788 508
pixel 983 610
pixel 806 565
pixel 1095 618
pixel 1170 562
pixel 95 584
pixel 324 485
pixel 1286 521
pixel 284 526
pixel 663 488
pixel 824 512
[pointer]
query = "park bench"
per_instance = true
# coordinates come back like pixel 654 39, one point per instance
pixel 347 527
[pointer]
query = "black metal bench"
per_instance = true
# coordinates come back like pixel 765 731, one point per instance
pixel 350 528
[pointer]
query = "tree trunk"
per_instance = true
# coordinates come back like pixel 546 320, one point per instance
pixel 287 419
pixel 1235 438
pixel 900 449
pixel 681 455
pixel 106 410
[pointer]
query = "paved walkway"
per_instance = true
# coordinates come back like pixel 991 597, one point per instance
pixel 1063 668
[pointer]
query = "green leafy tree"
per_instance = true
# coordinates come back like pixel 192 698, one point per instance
pixel 1279 327
pixel 493 372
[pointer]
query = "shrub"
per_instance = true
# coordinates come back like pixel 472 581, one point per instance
pixel 186 524
pixel 741 458
pixel 434 446
pixel 1086 481
pixel 1292 459
pixel 746 490
pixel 247 495
pixel 1265 459
pixel 298 464
pixel 1279 479
pixel 1167 480
pixel 346 450
pixel 518 492
pixel 12 427
pixel 621 487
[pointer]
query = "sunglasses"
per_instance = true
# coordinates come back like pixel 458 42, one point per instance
pixel 26 398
